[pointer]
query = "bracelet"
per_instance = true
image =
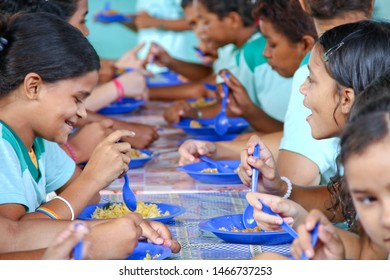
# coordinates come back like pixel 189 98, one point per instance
pixel 67 204
pixel 48 212
pixel 71 151
pixel 289 187
pixel 120 91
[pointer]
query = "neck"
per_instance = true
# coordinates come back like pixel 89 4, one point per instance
pixel 323 25
pixel 243 36
pixel 17 119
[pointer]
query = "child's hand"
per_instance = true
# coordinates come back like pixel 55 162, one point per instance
pixel 85 140
pixel 63 244
pixel 239 102
pixel 134 85
pixel 115 238
pixel 130 59
pixel 178 110
pixel 329 245
pixel 158 233
pixel 158 55
pixel 190 150
pixel 109 160
pixel 145 134
pixel 269 179
pixel 291 212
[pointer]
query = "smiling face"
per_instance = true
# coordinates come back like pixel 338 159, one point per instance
pixel 369 184
pixel 78 19
pixel 323 98
pixel 283 56
pixel 60 105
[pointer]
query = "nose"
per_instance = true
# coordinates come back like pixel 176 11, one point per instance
pixel 81 111
pixel 267 51
pixel 386 213
pixel 303 88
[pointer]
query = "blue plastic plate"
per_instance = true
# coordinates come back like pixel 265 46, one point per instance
pixel 139 162
pixel 235 221
pixel 107 18
pixel 195 171
pixel 236 126
pixel 127 105
pixel 164 79
pixel 143 248
pixel 174 210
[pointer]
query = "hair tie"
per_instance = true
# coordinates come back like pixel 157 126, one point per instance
pixel 3 42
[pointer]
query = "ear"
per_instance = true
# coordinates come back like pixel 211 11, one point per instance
pixel 347 100
pixel 32 85
pixel 307 43
pixel 235 20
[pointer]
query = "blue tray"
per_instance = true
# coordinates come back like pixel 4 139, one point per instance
pixel 236 126
pixel 143 248
pixel 105 17
pixel 127 105
pixel 140 162
pixel 194 170
pixel 211 138
pixel 231 221
pixel 174 210
pixel 164 79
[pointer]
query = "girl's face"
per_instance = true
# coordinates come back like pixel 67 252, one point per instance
pixel 322 98
pixel 211 28
pixel 368 179
pixel 283 56
pixel 61 105
pixel 192 18
pixel 78 19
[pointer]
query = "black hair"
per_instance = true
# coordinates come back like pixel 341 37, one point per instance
pixel 355 54
pixel 64 9
pixel 326 9
pixel 223 7
pixel 44 44
pixel 379 88
pixel 186 3
pixel 287 17
pixel 374 120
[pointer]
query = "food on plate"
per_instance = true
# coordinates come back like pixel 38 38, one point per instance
pixel 195 124
pixel 137 154
pixel 256 229
pixel 115 210
pixel 202 102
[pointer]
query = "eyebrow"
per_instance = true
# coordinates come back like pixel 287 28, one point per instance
pixel 311 71
pixel 85 93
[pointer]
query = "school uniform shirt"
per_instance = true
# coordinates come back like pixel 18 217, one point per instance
pixel 297 136
pixel 20 181
pixel 179 44
pixel 265 87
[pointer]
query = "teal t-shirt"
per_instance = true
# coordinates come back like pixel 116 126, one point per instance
pixel 179 44
pixel 20 181
pixel 265 87
pixel 297 136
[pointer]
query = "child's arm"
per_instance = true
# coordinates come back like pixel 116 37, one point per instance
pixel 171 93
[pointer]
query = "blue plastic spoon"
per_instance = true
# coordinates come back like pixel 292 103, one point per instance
pixel 247 218
pixel 221 121
pixel 314 239
pixel 199 51
pixel 128 195
pixel 78 249
pixel 220 167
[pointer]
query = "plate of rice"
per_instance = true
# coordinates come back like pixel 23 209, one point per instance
pixel 161 212
pixel 140 157
pixel 148 251
pixel 231 229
